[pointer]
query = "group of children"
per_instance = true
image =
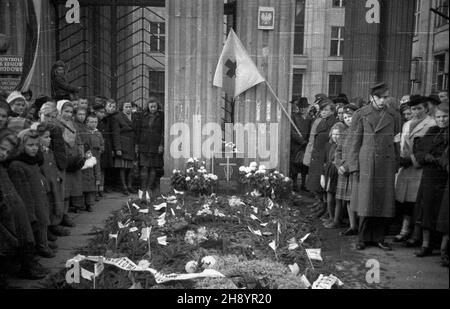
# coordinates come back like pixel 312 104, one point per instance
pixel 55 157
pixel 323 152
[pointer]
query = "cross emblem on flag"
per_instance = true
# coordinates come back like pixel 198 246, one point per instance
pixel 236 71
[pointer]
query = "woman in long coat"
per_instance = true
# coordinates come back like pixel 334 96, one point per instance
pixel 318 153
pixel 374 156
pixel 427 153
pixel 124 146
pixel 107 157
pixel 409 175
pixel 150 144
pixel 442 223
pixel 73 188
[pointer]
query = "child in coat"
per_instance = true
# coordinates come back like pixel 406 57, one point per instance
pixel 329 175
pixel 97 147
pixel 54 183
pixel 89 178
pixel 25 173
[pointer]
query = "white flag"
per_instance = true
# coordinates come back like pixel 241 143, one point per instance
pixel 236 71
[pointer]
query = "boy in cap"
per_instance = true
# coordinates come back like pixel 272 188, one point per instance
pixel 61 90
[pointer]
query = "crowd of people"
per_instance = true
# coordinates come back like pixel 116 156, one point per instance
pixel 376 163
pixel 60 154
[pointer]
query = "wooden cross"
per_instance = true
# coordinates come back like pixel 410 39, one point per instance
pixel 228 168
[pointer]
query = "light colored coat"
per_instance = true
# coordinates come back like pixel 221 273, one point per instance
pixel 408 179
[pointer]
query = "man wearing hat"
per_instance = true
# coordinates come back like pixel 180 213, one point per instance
pixel 374 159
pixel 298 142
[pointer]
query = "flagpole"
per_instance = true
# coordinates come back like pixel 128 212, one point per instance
pixel 284 109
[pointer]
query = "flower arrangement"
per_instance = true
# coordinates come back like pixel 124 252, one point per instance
pixel 264 182
pixel 195 178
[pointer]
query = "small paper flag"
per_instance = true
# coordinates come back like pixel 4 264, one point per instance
pixel 162 240
pixel 270 206
pixel 140 193
pixel 273 245
pixel 178 192
pixel 293 246
pixel 86 274
pixel 160 206
pixel 144 211
pixel 305 281
pixel 257 232
pixel 253 217
pixel 136 206
pixel 173 212
pixel 147 196
pixel 98 268
pixel 264 224
pixel 122 226
pixel 113 235
pixel 255 209
pixel 314 254
pixel 279 228
pixel 145 233
pixel 294 269
pixel 133 229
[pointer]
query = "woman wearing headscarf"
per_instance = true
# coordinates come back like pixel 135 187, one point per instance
pixel 73 189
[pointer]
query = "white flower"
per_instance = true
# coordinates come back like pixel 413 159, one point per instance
pixel 266 178
pixel 196 177
pixel 248 175
pixel 286 179
pixel 189 170
pixel 174 172
pixel 213 177
pixel 253 166
pixel 188 178
pixel 190 160
pixel 202 167
pixel 208 261
pixel 262 168
pixel 191 267
pixel 276 172
pixel 195 159
pixel 243 169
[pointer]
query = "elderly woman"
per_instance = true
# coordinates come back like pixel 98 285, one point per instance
pixel 409 175
pixel 427 154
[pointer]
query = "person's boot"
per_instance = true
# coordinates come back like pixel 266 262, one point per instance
pixel 58 230
pixel 405 231
pixel 45 252
pixel 31 269
pixel 51 236
pixel 66 221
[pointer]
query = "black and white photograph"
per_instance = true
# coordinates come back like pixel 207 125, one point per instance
pixel 224 149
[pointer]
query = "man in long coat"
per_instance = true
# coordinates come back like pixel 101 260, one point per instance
pixel 374 157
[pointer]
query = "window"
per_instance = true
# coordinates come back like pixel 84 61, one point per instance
pixel 417 17
pixel 297 84
pixel 441 73
pixel 158 37
pixel 157 88
pixel 299 32
pixel 338 3
pixel 334 85
pixel 337 41
pixel 442 7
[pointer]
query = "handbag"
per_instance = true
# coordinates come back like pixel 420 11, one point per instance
pixel 298 158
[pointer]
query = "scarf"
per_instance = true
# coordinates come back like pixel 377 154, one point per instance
pixel 69 132
pixel 38 159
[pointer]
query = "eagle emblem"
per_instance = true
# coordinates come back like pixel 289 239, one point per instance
pixel 266 18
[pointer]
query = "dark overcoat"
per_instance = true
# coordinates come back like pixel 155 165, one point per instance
pixel 298 143
pixel 318 155
pixel 54 187
pixel 124 136
pixel 374 155
pixel 26 175
pixel 150 132
pixel 15 228
pixel 105 127
pixel 434 176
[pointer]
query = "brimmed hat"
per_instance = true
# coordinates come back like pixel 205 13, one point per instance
pixel 416 100
pixel 434 99
pixel 98 107
pixel 319 97
pixel 379 89
pixel 350 108
pixel 301 102
pixel 15 95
